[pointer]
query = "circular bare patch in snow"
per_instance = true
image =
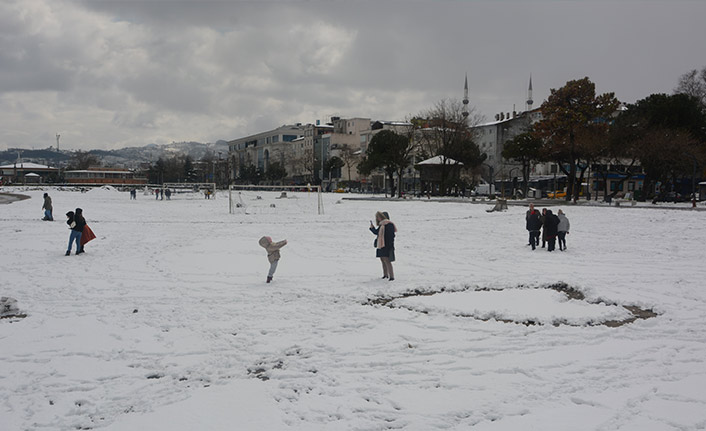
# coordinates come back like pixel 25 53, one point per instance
pixel 556 304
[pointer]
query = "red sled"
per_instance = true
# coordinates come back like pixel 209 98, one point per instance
pixel 87 235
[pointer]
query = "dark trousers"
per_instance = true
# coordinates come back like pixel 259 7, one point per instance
pixel 562 240
pixel 551 243
pixel 534 238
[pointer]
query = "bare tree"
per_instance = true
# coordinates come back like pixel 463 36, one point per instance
pixel 693 84
pixel 350 157
pixel 446 132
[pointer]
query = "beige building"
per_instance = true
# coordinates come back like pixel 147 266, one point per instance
pixel 303 149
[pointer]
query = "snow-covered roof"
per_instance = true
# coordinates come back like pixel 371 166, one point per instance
pixel 25 165
pixel 440 160
pixel 31 174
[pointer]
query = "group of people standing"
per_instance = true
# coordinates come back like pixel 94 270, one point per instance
pixel 551 227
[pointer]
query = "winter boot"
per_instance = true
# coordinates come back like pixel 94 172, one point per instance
pixel 68 253
pixel 269 278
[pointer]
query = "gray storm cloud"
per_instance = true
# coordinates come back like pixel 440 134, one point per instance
pixel 113 73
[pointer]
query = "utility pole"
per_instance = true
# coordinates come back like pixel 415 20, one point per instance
pixel 57 141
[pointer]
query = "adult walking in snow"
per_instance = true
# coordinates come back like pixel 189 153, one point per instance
pixel 550 229
pixel 384 242
pixel 563 229
pixel 76 224
pixel 47 208
pixel 533 224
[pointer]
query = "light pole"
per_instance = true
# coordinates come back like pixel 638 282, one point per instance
pixel 513 181
pixel 491 186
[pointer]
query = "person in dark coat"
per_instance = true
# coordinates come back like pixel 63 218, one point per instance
pixel 544 232
pixel 80 221
pixel 533 225
pixel 76 224
pixel 47 208
pixel 384 243
pixel 551 228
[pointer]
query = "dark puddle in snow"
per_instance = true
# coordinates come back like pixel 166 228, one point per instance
pixel 570 292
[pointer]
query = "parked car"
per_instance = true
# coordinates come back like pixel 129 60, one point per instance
pixel 559 194
pixel 670 197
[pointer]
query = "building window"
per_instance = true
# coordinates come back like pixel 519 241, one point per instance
pixel 288 138
pixel 631 186
pixel 275 139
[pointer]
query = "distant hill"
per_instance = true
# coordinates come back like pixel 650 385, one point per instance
pixel 130 157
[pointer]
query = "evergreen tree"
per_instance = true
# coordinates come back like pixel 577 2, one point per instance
pixel 526 149
pixel 387 151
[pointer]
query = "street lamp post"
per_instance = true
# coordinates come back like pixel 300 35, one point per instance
pixel 513 182
pixel 491 187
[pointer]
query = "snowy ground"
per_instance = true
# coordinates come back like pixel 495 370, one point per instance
pixel 166 322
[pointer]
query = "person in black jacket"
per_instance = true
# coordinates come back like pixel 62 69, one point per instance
pixel 78 216
pixel 533 225
pixel 551 228
pixel 384 243
pixel 76 225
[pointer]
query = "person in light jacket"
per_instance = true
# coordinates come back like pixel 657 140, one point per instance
pixel 563 229
pixel 273 255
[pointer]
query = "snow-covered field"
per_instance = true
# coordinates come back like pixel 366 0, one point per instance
pixel 166 322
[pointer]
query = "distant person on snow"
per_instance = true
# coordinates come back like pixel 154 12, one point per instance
pixel 47 208
pixel 76 225
pixel 273 255
pixel 384 243
pixel 533 224
pixel 168 192
pixel 133 194
pixel 563 229
pixel 551 223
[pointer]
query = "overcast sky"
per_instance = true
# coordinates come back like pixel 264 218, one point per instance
pixel 109 74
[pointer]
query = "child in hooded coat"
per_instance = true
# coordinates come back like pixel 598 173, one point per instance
pixel 273 255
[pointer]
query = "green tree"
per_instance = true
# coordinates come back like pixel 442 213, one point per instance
pixel 667 133
pixel 332 166
pixel 571 117
pixel 387 151
pixel 525 149
pixel 249 174
pixel 189 171
pixel 275 172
